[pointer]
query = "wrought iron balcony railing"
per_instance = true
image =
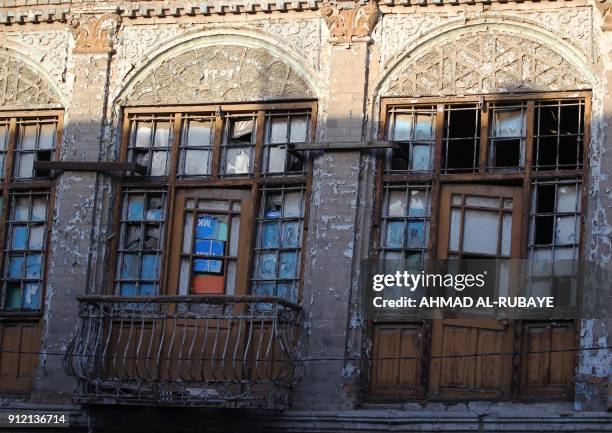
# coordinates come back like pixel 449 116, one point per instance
pixel 211 351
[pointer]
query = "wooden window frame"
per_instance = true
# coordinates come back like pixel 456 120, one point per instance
pixel 10 184
pixel 436 178
pixel 524 177
pixel 254 181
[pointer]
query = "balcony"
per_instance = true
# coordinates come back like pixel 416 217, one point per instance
pixel 201 351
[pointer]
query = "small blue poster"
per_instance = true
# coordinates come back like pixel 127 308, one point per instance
pixel 207 227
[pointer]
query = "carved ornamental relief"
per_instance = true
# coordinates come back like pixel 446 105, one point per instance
pixel 22 87
pixel 605 7
pixel 484 62
pixel 94 35
pixel 229 73
pixel 346 24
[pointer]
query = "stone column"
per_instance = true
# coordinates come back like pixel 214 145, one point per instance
pixel 75 202
pixel 329 380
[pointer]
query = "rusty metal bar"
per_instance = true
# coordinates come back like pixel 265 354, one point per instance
pixel 91 166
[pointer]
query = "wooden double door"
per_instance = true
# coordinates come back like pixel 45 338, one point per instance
pixel 471 358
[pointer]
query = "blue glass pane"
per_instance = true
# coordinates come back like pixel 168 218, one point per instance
pixel 13 296
pixel 149 267
pixel 128 289
pixel 288 265
pixel 154 208
pixel 207 265
pixel 31 296
pixel 291 235
pixel 264 289
pixel 136 207
pixel 414 261
pixel 147 290
pixel 16 267
pixel 270 235
pixel 267 266
pixel 21 209
pixel 33 266
pixel 209 247
pixel 130 267
pixel 19 238
pixel 416 234
pixel 207 227
pixel 420 157
pixel 395 234
pixel 285 291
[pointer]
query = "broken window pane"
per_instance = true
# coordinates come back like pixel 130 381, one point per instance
pixel 237 160
pixel 413 130
pixel 559 134
pixel 556 217
pixel 150 143
pixel 405 222
pixel 242 131
pixel 397 203
pixel 461 139
pixel 281 130
pixel 196 146
pixel 507 136
pixel 25 251
pixel 31 296
pixel 140 245
pixel 278 242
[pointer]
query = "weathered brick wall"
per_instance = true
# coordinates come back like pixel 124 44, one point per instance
pixel 347 78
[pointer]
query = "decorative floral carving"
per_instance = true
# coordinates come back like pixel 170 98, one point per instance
pixel 605 7
pixel 94 35
pixel 22 87
pixel 301 35
pixel 484 62
pixel 225 73
pixel 347 24
pixel 138 41
pixel 49 47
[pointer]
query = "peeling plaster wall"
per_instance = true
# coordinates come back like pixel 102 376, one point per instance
pixel 348 81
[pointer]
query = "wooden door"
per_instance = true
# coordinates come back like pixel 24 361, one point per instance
pixel 210 242
pixel 210 245
pixel 19 359
pixel 476 222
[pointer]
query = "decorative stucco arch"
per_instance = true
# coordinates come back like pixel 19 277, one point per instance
pixel 217 66
pixel 486 56
pixel 24 84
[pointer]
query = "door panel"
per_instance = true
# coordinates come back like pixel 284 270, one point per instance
pixel 396 365
pixel 547 365
pixel 476 222
pixel 21 342
pixel 210 242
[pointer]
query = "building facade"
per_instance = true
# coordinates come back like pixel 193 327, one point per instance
pixel 193 192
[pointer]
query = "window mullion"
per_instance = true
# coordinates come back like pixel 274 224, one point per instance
pixel 218 138
pixel 484 137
